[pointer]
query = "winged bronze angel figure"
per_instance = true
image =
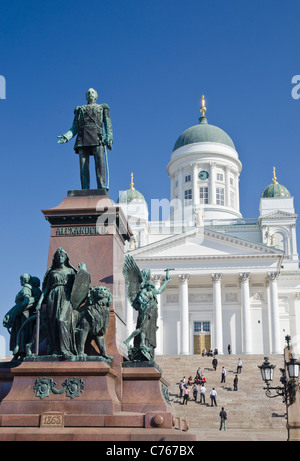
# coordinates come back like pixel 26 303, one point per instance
pixel 142 295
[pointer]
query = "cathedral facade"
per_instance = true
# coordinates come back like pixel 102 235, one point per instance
pixel 235 281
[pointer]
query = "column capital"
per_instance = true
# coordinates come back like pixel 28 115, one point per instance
pixel 296 295
pixel 273 276
pixel 244 276
pixel 183 277
pixel 216 277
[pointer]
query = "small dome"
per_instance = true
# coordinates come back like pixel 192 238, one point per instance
pixel 131 195
pixel 203 132
pixel 275 189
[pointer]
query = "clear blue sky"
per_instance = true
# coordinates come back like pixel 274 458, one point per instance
pixel 150 61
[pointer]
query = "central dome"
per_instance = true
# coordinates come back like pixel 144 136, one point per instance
pixel 203 132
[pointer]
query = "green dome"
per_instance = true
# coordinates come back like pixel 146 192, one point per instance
pixel 203 132
pixel 275 190
pixel 131 195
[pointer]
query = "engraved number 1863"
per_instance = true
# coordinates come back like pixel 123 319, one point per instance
pixel 52 420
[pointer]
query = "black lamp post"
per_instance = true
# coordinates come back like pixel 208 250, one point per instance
pixel 289 386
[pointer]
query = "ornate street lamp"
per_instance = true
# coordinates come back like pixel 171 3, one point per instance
pixel 289 386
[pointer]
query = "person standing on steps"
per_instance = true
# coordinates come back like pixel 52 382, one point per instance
pixel 235 383
pixel 239 366
pixel 214 363
pixel 181 387
pixel 213 397
pixel 223 375
pixel 195 391
pixel 202 393
pixel 223 416
pixel 186 392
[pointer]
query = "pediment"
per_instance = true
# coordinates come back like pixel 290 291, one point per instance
pixel 278 214
pixel 203 244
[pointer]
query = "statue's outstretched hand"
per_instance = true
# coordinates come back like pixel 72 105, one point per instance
pixel 62 139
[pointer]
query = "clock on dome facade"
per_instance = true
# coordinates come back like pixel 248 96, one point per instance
pixel 203 175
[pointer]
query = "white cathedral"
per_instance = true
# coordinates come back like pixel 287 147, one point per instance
pixel 236 281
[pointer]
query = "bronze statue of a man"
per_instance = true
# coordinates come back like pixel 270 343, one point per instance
pixel 91 138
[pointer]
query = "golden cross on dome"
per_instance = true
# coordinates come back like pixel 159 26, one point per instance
pixel 203 108
pixel 274 175
pixel 131 184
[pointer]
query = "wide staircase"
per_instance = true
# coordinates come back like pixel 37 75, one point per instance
pixel 248 408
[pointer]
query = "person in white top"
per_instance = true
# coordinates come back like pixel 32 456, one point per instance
pixel 213 397
pixel 239 366
pixel 202 393
pixel 223 379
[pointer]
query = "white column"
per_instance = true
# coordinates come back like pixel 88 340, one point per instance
pixel 159 333
pixel 227 186
pixel 212 198
pixel 172 185
pixel 184 314
pixel 196 197
pixel 237 192
pixel 274 312
pixel 180 191
pixel 217 300
pixel 246 315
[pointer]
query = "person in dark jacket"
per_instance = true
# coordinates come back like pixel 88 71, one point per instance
pixel 223 416
pixel 235 383
pixel 214 363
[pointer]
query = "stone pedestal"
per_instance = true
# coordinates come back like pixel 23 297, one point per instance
pixel 64 401
pixel 79 392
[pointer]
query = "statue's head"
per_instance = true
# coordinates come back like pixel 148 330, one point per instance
pixel 146 274
pixel 59 257
pixel 24 278
pixel 91 95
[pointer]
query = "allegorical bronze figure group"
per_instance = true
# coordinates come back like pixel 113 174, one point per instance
pixel 67 313
pixel 64 313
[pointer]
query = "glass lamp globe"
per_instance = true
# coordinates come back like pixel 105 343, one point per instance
pixel 293 368
pixel 267 370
